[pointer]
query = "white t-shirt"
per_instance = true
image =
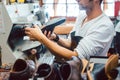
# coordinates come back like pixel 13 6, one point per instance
pixel 97 36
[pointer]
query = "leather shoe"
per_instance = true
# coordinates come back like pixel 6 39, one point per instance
pixel 111 64
pixel 22 70
pixel 71 70
pixel 49 72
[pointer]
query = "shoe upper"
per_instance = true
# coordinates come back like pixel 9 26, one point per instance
pixel 71 70
pixel 22 70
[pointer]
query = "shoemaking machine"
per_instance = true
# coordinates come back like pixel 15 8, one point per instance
pixel 14 43
pixel 12 40
pixel 13 19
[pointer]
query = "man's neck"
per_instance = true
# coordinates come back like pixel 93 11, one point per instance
pixel 91 14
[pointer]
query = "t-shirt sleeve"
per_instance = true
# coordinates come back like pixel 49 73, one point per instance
pixel 95 41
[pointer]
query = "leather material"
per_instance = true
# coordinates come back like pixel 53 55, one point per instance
pixel 68 70
pixel 98 72
pixel 106 71
pixel 71 70
pixel 111 64
pixel 22 70
pixel 113 73
pixel 16 35
pixel 118 70
pixel 55 75
pixel 49 72
pixel 51 24
pixel 75 40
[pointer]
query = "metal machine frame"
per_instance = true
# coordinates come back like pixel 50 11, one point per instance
pixel 6 24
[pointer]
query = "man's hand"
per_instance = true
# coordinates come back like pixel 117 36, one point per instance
pixel 34 33
pixel 50 35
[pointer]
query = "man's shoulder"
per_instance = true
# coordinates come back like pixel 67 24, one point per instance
pixel 105 20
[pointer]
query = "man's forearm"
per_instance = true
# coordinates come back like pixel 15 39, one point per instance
pixel 64 42
pixel 57 49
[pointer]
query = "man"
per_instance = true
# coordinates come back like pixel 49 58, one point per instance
pixel 94 27
pixel 117 38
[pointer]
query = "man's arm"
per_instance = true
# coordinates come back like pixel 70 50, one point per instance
pixel 57 49
pixel 63 30
pixel 36 34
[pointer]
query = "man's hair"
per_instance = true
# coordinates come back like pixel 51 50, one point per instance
pixel 101 1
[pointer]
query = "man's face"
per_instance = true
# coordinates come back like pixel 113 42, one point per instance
pixel 84 4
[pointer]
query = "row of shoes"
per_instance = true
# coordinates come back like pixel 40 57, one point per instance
pixel 21 70
pixel 26 69
pixel 108 71
pixel 66 70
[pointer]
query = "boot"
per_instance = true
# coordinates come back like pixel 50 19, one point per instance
pixel 106 71
pixel 98 72
pixel 49 72
pixel 111 64
pixel 118 70
pixel 22 70
pixel 71 70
